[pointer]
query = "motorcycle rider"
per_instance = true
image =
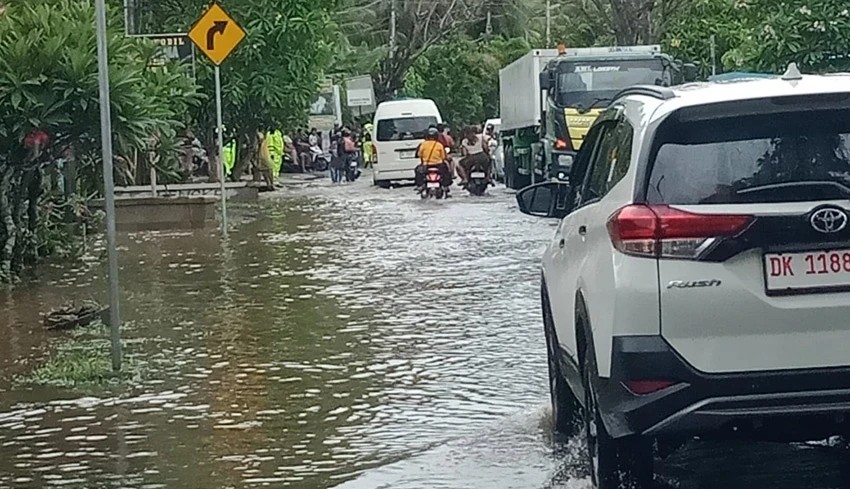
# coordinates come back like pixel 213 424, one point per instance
pixel 475 151
pixel 432 153
pixel 448 143
pixel 349 149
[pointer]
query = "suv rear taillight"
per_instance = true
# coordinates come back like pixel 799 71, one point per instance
pixel 659 231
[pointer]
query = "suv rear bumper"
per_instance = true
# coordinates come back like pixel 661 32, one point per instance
pixel 779 405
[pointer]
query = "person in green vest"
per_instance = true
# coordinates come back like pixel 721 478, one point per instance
pixel 368 147
pixel 229 157
pixel 276 150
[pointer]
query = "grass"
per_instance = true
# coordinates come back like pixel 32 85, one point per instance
pixel 81 358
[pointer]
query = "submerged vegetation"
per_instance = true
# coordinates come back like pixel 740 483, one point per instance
pixel 81 358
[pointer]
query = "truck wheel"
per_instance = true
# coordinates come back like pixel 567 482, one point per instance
pixel 509 170
pixel 511 174
pixel 565 408
pixel 625 463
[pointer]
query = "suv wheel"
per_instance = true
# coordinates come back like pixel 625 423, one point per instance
pixel 565 408
pixel 625 463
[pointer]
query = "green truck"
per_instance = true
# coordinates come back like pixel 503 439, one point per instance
pixel 549 98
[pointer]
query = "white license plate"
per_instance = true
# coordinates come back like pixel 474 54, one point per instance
pixel 433 184
pixel 477 174
pixel 812 271
pixel 407 154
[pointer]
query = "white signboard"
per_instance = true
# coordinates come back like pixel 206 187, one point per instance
pixel 359 97
pixel 361 94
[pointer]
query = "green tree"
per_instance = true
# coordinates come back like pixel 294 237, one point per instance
pixel 49 108
pixel 462 76
pixel 764 35
pixel 813 33
pixel 271 79
pixel 689 34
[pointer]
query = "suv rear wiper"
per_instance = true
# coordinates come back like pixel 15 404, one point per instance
pixel 844 189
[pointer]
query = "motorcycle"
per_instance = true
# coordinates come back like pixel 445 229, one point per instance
pixel 479 178
pixel 433 186
pixel 352 172
pixel 478 181
pixel 319 160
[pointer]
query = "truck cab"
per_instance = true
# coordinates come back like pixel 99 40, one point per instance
pixel 579 84
pixel 550 98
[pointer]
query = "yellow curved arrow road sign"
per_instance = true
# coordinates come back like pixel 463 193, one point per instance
pixel 216 34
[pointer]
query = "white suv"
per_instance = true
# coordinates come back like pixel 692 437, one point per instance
pixel 699 280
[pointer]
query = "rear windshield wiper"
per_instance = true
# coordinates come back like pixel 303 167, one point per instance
pixel 843 189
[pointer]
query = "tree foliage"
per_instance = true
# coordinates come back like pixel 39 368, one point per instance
pixel 813 33
pixel 462 76
pixel 49 109
pixel 420 24
pixel 765 35
pixel 271 79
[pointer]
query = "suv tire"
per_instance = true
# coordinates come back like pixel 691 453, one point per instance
pixel 566 415
pixel 625 463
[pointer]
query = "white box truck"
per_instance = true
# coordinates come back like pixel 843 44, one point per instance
pixel 519 109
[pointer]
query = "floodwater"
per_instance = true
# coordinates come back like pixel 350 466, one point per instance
pixel 342 337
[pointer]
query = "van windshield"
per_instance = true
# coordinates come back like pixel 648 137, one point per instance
pixel 794 156
pixel 404 128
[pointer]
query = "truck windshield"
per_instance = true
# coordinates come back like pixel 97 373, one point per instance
pixel 404 128
pixel 591 83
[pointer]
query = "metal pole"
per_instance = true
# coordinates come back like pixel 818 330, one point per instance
pixel 713 57
pixel 392 26
pixel 108 183
pixel 153 181
pixel 220 130
pixel 548 23
pixel 127 30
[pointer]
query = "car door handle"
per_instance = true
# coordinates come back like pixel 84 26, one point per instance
pixel 582 230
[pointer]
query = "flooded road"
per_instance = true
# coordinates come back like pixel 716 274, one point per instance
pixel 342 337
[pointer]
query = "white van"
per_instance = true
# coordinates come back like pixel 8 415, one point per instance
pixel 400 126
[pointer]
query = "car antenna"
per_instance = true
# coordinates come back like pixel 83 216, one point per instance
pixel 792 73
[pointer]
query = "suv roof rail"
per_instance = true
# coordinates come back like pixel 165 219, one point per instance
pixel 654 91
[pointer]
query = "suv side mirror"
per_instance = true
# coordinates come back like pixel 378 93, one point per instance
pixel 547 199
pixel 689 72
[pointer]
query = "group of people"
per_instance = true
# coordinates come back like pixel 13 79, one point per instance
pixel 345 146
pixel 436 151
pixel 304 148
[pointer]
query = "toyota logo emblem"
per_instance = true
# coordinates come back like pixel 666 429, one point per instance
pixel 828 220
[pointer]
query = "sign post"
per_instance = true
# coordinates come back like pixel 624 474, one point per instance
pixel 108 182
pixel 216 34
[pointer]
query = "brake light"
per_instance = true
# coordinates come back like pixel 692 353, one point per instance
pixel 660 231
pixel 643 387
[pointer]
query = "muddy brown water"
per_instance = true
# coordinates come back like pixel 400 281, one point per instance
pixel 342 337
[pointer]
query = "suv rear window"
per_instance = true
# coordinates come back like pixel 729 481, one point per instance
pixel 404 128
pixel 765 158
